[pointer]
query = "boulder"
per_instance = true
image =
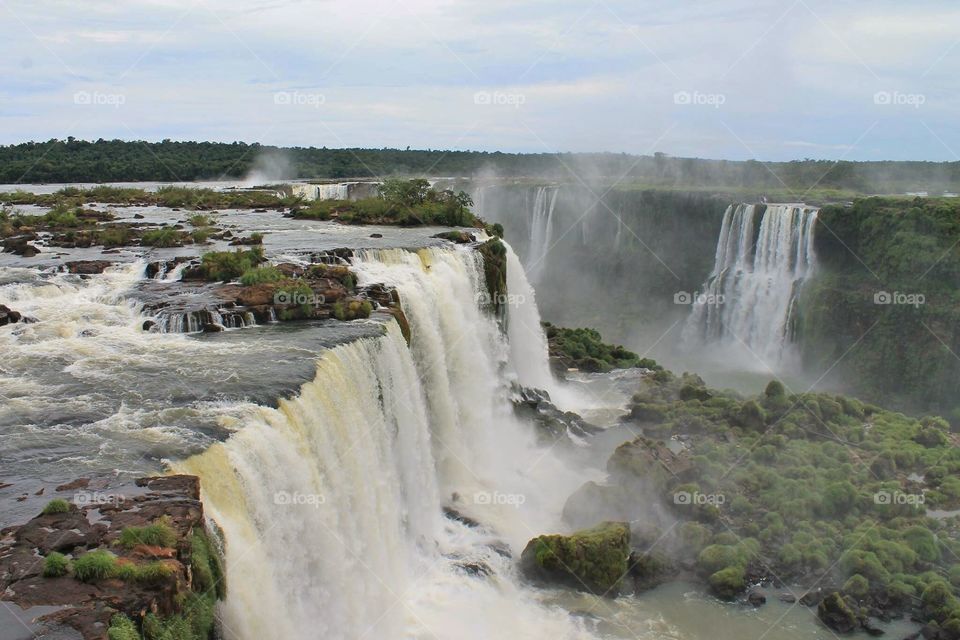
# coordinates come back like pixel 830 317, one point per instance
pixel 9 316
pixel 838 614
pixel 87 267
pixel 595 560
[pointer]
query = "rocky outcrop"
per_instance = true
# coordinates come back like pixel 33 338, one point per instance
pixel 838 613
pixel 21 246
pixel 87 267
pixel 9 316
pixel 551 422
pixel 594 560
pixel 138 556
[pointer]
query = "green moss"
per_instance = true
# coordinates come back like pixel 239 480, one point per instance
pixel 55 565
pixel 206 564
pixel 57 505
pixel 595 559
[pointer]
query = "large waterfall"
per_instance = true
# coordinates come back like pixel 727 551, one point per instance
pixel 541 230
pixel 332 504
pixel 750 296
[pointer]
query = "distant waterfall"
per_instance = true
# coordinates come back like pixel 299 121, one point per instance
pixel 541 230
pixel 749 298
pixel 331 504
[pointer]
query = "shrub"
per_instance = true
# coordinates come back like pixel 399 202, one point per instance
pixel 158 534
pixel 857 586
pixel 260 275
pixel 57 505
pixel 55 565
pixel 352 310
pixel 94 565
pixel 227 265
pixel 161 238
pixel 200 236
pixel 200 220
pixel 206 565
pixel 728 582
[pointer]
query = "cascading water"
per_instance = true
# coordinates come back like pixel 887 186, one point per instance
pixel 541 229
pixel 750 295
pixel 331 504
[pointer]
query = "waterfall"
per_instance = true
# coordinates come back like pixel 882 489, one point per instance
pixel 750 295
pixel 541 229
pixel 331 504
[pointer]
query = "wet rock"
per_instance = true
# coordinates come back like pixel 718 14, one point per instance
pixel 756 599
pixel 79 483
pixel 812 598
pixel 789 598
pixel 594 559
pixel 9 316
pixel 376 235
pixel 551 422
pixel 653 461
pixel 87 267
pixel 20 246
pixel 838 613
pixel 138 216
pixel 211 327
pixel 453 514
pixel 148 325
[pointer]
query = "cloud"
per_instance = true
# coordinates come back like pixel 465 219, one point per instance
pixel 592 76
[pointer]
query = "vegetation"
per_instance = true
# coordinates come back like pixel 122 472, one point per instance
pixel 164 237
pixel 261 275
pixel 801 485
pixel 57 505
pixel 886 299
pixel 122 628
pixel 228 265
pixel 594 559
pixel 158 534
pixel 584 349
pixel 403 202
pixel 72 160
pixel 352 309
pixel 200 220
pixel 494 255
pixel 55 565
pixel 95 565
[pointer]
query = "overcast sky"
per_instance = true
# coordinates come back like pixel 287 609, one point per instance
pixel 773 80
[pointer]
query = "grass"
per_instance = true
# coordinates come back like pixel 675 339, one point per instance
pixel 158 534
pixel 206 565
pixel 153 573
pixel 95 565
pixel 200 236
pixel 162 238
pixel 55 565
pixel 261 275
pixel 122 628
pixel 352 310
pixel 57 505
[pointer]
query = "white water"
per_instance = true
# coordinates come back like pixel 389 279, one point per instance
pixel 749 298
pixel 383 438
pixel 541 230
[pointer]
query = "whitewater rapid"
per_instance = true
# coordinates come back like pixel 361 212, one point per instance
pixel 332 504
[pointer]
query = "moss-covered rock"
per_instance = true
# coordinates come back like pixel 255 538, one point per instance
pixel 494 254
pixel 594 559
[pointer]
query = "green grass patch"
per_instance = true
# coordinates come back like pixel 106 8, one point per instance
pixel 229 265
pixel 261 275
pixel 94 565
pixel 158 534
pixel 165 237
pixel 55 565
pixel 57 505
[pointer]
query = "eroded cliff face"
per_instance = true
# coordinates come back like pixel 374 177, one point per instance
pixel 115 561
pixel 882 307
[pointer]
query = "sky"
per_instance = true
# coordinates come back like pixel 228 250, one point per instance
pixel 769 80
